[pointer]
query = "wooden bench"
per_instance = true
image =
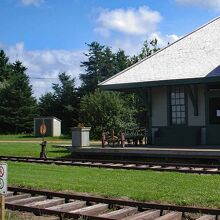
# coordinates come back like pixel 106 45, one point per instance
pixel 112 140
pixel 130 136
pixel 136 136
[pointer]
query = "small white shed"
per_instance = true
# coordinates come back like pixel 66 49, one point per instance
pixel 53 126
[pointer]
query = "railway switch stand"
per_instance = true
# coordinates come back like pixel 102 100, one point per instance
pixel 43 149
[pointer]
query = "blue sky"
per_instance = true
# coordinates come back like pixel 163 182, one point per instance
pixel 49 36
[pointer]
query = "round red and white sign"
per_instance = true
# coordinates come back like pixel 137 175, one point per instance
pixel 2 171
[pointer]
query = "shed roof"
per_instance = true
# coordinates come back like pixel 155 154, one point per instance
pixel 47 117
pixel 195 58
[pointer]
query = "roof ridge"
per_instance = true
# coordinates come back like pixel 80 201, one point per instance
pixel 148 57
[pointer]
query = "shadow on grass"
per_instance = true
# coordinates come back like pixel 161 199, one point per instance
pixel 61 146
pixel 62 137
pixel 58 151
pixel 26 136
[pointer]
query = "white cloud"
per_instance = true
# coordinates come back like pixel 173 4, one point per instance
pixel 133 27
pixel 213 4
pixel 31 2
pixel 46 64
pixel 132 21
pixel 163 40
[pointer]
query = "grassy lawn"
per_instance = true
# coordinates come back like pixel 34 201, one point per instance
pixel 175 188
pixel 30 149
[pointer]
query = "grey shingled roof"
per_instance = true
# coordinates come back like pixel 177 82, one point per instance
pixel 197 55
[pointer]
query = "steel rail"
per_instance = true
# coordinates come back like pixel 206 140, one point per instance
pixel 111 202
pixel 128 165
pixel 110 161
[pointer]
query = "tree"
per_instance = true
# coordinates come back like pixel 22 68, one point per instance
pixel 62 103
pixel 104 110
pixel 5 67
pixel 148 49
pixel 18 106
pixel 101 64
pixel 121 61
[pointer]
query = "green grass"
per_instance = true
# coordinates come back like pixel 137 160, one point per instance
pixel 64 139
pixel 30 150
pixel 173 188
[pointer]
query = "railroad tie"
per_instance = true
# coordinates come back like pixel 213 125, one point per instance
pixel 146 215
pixel 12 198
pixel 143 166
pixel 87 163
pixel 184 168
pixel 156 167
pixel 120 213
pixel 31 160
pixel 47 203
pixel 77 163
pixel 92 210
pixel 70 206
pixel 67 162
pixel 130 165
pixel 117 165
pixel 26 201
pixel 198 168
pixel 108 164
pixel 9 194
pixel 169 168
pixel 171 216
pixel 212 170
pixel 96 164
pixel 207 217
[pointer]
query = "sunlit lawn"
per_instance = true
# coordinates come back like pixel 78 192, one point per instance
pixel 175 188
pixel 31 150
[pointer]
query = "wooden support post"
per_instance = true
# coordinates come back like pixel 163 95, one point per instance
pixel 122 139
pixel 2 207
pixel 193 94
pixel 149 98
pixel 113 138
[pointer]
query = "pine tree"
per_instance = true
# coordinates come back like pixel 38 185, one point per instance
pixel 18 107
pixel 101 64
pixel 5 67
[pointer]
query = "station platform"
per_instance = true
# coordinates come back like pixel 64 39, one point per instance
pixel 199 152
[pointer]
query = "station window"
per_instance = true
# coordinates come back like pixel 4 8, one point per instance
pixel 178 107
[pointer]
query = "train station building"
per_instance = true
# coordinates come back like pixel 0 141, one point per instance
pixel 181 83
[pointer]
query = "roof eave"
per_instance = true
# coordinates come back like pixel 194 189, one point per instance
pixel 136 85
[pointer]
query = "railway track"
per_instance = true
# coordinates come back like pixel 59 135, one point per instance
pixel 129 165
pixel 76 206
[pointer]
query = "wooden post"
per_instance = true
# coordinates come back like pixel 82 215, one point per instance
pixel 2 207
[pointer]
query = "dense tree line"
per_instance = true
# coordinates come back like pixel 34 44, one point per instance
pixel 86 104
pixel 18 106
